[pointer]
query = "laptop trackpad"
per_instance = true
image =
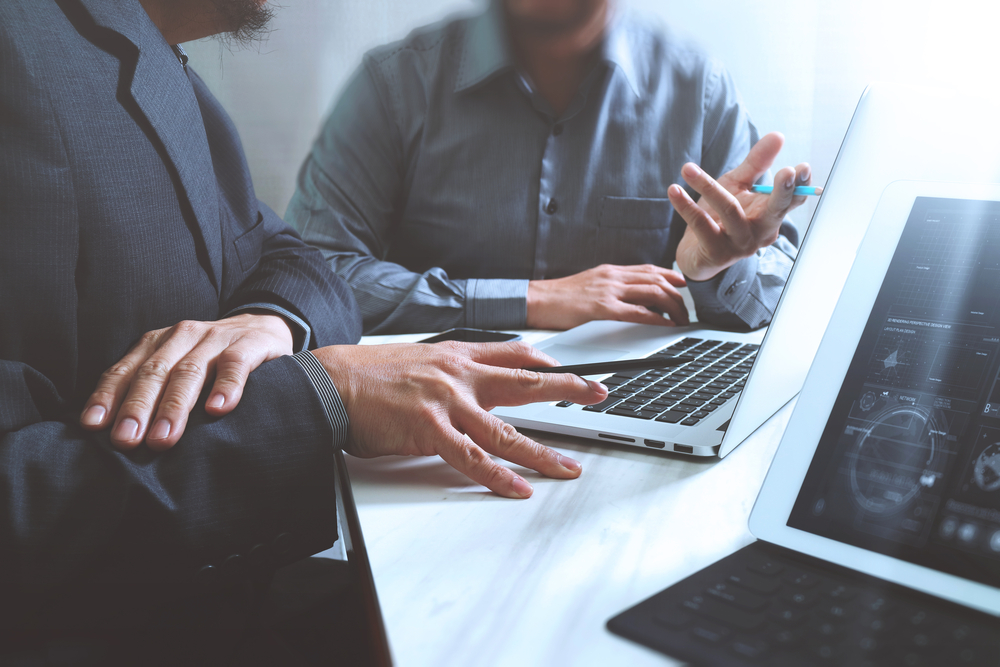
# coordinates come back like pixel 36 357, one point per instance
pixel 583 354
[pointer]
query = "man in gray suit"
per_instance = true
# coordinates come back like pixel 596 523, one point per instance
pixel 136 492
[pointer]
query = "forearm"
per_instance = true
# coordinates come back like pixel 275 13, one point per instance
pixel 231 483
pixel 393 299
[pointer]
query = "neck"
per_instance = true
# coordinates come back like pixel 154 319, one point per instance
pixel 184 20
pixel 557 60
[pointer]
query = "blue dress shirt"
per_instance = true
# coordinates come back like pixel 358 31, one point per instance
pixel 443 182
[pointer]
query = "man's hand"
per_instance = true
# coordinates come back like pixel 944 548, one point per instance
pixel 607 292
pixel 730 222
pixel 422 400
pixel 166 371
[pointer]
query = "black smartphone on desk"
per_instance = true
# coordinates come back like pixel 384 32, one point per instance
pixel 472 336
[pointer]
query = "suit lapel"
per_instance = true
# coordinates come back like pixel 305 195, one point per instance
pixel 161 89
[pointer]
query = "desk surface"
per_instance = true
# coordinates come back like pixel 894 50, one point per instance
pixel 467 578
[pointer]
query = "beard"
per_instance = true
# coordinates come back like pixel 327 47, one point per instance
pixel 245 20
pixel 548 28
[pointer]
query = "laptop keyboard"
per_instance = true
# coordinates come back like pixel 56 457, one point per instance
pixel 685 394
pixel 757 607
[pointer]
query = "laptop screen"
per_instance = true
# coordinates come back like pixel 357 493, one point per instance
pixel 909 462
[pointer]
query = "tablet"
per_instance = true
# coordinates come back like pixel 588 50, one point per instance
pixel 890 464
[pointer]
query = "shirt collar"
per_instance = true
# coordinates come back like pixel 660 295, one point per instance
pixel 617 48
pixel 486 51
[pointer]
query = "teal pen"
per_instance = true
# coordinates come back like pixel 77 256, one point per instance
pixel 799 190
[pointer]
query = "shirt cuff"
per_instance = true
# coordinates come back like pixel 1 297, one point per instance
pixel 336 414
pixel 496 304
pixel 304 334
pixel 727 292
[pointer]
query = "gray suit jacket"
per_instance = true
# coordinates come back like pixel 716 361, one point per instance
pixel 125 206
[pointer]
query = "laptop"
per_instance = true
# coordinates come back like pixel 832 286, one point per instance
pixel 881 145
pixel 878 523
pixel 708 407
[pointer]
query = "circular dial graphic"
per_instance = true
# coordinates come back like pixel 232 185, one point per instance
pixel 899 452
pixel 987 469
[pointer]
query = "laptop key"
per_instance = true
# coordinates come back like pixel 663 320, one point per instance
pixel 673 617
pixel 671 417
pixel 711 633
pixel 751 582
pixel 641 414
pixel 768 568
pixel 690 421
pixel 736 595
pixel 726 614
pixel 609 402
pixel 800 579
pixel 564 404
pixel 750 647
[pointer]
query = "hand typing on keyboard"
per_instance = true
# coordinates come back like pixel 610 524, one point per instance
pixel 642 294
pixel 425 400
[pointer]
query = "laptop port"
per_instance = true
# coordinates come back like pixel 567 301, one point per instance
pixel 655 443
pixel 616 437
pixel 684 449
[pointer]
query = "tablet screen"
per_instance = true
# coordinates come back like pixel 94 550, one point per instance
pixel 909 462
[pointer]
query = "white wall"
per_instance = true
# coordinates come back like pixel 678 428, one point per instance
pixel 801 65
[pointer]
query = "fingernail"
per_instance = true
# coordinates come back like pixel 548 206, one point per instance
pixel 521 487
pixel 597 386
pixel 804 176
pixel 216 401
pixel 161 430
pixel 570 464
pixel 790 183
pixel 94 415
pixel 126 430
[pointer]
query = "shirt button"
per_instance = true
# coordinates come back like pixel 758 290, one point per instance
pixel 557 129
pixel 552 207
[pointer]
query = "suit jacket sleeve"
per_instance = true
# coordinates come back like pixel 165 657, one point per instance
pixel 243 493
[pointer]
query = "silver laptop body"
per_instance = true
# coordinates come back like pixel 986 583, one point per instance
pixel 882 142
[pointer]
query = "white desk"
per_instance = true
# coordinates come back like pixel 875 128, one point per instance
pixel 467 578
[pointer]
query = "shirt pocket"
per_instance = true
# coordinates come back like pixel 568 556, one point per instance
pixel 633 230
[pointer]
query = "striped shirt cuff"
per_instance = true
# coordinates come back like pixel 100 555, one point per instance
pixel 496 304
pixel 328 396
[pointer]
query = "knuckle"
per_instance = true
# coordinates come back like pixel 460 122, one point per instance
pixel 187 327
pixel 154 368
pixel 120 371
pixel 189 369
pixel 527 380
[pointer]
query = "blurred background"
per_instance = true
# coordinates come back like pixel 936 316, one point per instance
pixel 800 65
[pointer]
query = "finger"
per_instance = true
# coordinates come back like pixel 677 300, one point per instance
pixel 102 406
pixel 653 296
pixel 637 314
pixel 233 367
pixel 187 378
pixel 149 382
pixel 515 386
pixel 465 456
pixel 780 199
pixel 803 176
pixel 707 231
pixel 506 355
pixel 758 160
pixel 501 439
pixel 731 216
pixel 652 273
